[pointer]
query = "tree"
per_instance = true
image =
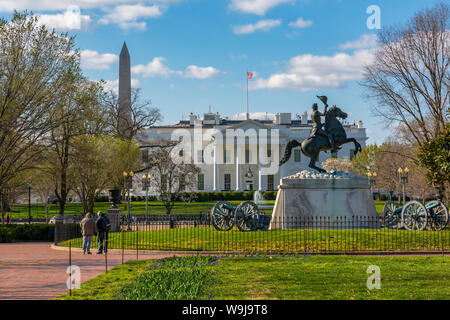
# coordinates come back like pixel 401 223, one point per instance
pixel 388 159
pixel 83 116
pixel 364 162
pixel 34 63
pixel 98 164
pixel 142 115
pixel 171 176
pixel 435 156
pixel 336 164
pixel 409 78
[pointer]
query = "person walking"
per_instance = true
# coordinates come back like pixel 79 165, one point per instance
pixel 103 225
pixel 88 229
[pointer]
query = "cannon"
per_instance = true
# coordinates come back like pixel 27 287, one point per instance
pixel 245 216
pixel 415 215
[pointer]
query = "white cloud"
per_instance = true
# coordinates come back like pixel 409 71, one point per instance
pixel 308 72
pixel 153 68
pixel 259 7
pixel 71 19
pixel 52 5
pixel 113 85
pixel 263 25
pixel 91 59
pixel 300 23
pixel 366 41
pixel 157 67
pixel 127 16
pixel 200 72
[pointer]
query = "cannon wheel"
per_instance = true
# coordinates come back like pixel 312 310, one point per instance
pixel 390 218
pixel 414 216
pixel 437 216
pixel 247 216
pixel 222 217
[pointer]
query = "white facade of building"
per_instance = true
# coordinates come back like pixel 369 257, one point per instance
pixel 238 168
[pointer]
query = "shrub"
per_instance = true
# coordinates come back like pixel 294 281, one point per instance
pixel 26 232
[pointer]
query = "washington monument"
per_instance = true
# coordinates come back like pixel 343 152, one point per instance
pixel 124 112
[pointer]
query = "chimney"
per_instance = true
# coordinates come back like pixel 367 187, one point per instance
pixel 360 124
pixel 192 118
pixel 305 117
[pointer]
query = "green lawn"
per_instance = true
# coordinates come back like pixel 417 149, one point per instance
pixel 303 277
pixel 293 240
pixel 137 208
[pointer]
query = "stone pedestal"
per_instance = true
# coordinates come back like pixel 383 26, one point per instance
pixel 311 199
pixel 114 219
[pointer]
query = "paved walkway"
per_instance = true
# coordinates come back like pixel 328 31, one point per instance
pixel 33 270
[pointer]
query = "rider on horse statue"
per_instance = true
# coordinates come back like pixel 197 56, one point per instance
pixel 317 123
pixel 329 138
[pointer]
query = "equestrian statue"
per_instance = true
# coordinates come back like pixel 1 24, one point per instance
pixel 322 139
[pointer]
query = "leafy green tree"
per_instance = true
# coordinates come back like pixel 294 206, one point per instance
pixel 365 160
pixel 435 155
pixel 98 165
pixel 34 64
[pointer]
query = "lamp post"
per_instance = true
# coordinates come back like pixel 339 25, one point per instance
pixel 146 186
pixel 29 201
pixel 372 181
pixel 403 176
pixel 128 178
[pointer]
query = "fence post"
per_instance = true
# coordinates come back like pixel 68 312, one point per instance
pixel 137 240
pixel 70 268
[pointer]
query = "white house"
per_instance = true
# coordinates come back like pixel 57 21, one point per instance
pixel 236 161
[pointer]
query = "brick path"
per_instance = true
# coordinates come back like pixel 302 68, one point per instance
pixel 33 270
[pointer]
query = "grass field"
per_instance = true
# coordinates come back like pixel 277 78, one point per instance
pixel 293 240
pixel 137 208
pixel 302 277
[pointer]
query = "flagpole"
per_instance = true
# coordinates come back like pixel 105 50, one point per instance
pixel 247 93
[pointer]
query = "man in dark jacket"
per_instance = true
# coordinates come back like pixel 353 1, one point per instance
pixel 103 225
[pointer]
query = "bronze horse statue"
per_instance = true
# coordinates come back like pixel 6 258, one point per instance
pixel 312 146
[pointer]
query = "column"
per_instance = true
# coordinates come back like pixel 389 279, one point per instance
pixel 261 179
pixel 238 166
pixel 216 168
pixel 283 168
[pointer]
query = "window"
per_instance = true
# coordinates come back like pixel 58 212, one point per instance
pixel 297 155
pixel 164 182
pixel 352 154
pixel 334 155
pixel 182 182
pixel 226 156
pixel 181 153
pixel 270 185
pixel 227 181
pixel 247 156
pixel 144 155
pixel 200 156
pixel 201 182
pixel 269 151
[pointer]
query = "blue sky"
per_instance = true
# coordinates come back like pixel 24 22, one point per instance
pixel 189 54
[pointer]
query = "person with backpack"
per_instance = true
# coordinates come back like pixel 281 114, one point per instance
pixel 88 229
pixel 103 226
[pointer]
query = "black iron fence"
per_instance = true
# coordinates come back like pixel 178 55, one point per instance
pixel 295 235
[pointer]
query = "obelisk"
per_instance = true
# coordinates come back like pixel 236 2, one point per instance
pixel 124 112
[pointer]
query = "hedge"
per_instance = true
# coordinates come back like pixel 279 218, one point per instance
pixel 26 232
pixel 207 196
